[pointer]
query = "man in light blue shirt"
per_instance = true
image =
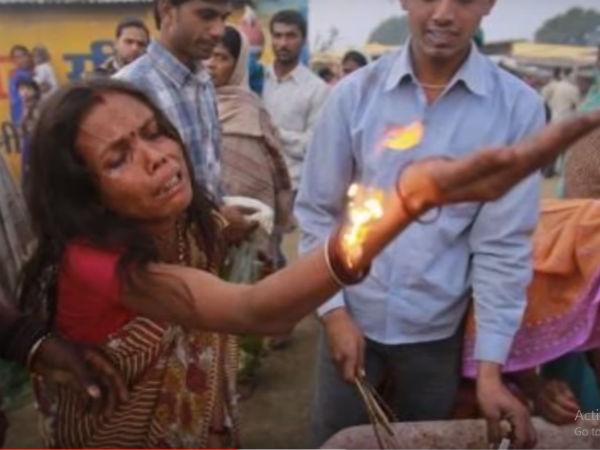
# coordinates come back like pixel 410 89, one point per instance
pixel 405 319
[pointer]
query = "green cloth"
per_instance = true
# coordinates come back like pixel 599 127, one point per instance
pixel 575 370
pixel 592 99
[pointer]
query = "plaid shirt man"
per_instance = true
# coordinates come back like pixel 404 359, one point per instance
pixel 189 101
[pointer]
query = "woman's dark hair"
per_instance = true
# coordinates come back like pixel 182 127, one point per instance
pixel 65 204
pixel 357 57
pixel 232 41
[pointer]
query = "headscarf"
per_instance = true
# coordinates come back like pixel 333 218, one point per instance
pixel 240 109
pixel 242 113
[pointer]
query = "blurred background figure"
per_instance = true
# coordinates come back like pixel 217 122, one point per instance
pixel 561 95
pixel 251 149
pixel 23 70
pixel 562 98
pixel 244 16
pixel 328 76
pixel 43 73
pixel 132 38
pixel 31 96
pixel 353 60
pixel 254 172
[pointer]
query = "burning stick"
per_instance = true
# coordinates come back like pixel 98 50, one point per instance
pixel 364 208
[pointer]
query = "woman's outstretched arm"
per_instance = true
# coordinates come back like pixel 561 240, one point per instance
pixel 275 304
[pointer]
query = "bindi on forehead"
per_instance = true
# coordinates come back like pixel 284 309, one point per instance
pixel 115 117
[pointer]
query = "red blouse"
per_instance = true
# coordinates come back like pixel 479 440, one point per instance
pixel 89 306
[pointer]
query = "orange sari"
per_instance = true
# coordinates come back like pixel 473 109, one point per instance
pixel 563 299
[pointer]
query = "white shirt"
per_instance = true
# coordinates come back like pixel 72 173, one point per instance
pixel 294 103
pixel 44 74
pixel 562 98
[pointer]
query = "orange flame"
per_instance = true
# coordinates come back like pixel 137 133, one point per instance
pixel 405 138
pixel 365 207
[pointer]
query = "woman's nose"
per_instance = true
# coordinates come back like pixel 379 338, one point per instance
pixel 154 157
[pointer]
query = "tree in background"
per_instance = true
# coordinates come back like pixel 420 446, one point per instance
pixel 575 27
pixel 392 31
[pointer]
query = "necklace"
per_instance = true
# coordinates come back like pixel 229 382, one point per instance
pixel 437 87
pixel 181 247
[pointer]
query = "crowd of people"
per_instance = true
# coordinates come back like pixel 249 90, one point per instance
pixel 144 182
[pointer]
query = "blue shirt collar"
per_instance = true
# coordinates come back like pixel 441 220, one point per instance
pixel 167 63
pixel 471 73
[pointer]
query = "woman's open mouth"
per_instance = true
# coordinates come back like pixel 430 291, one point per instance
pixel 172 185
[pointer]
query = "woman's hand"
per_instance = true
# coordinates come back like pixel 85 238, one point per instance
pixel 556 403
pixel 488 174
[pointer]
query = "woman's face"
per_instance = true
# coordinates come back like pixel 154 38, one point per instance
pixel 221 65
pixel 140 172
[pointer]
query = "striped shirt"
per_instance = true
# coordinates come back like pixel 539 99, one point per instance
pixel 188 99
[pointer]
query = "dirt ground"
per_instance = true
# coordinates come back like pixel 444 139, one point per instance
pixel 277 414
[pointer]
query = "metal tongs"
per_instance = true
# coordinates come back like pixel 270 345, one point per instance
pixel 380 414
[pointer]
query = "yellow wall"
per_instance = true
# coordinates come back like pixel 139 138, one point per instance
pixel 74 35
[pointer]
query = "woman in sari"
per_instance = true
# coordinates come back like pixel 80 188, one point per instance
pixel 252 165
pixel 127 248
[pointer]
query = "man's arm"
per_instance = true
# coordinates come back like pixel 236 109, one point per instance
pixel 25 340
pixel 500 241
pixel 297 141
pixel 502 255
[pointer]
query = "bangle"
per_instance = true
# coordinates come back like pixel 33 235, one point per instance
pixel 342 275
pixel 34 350
pixel 20 337
pixel 329 266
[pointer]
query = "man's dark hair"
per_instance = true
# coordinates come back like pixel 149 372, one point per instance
pixel 357 57
pixel 556 73
pixel 290 17
pixel 131 22
pixel 18 48
pixel 28 82
pixel 157 19
pixel 326 74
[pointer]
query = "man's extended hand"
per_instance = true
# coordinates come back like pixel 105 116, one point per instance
pixel 497 403
pixel 346 343
pixel 86 369
pixel 489 173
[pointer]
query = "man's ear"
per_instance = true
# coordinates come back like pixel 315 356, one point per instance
pixel 164 9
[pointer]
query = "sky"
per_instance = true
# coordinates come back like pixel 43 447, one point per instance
pixel 355 19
